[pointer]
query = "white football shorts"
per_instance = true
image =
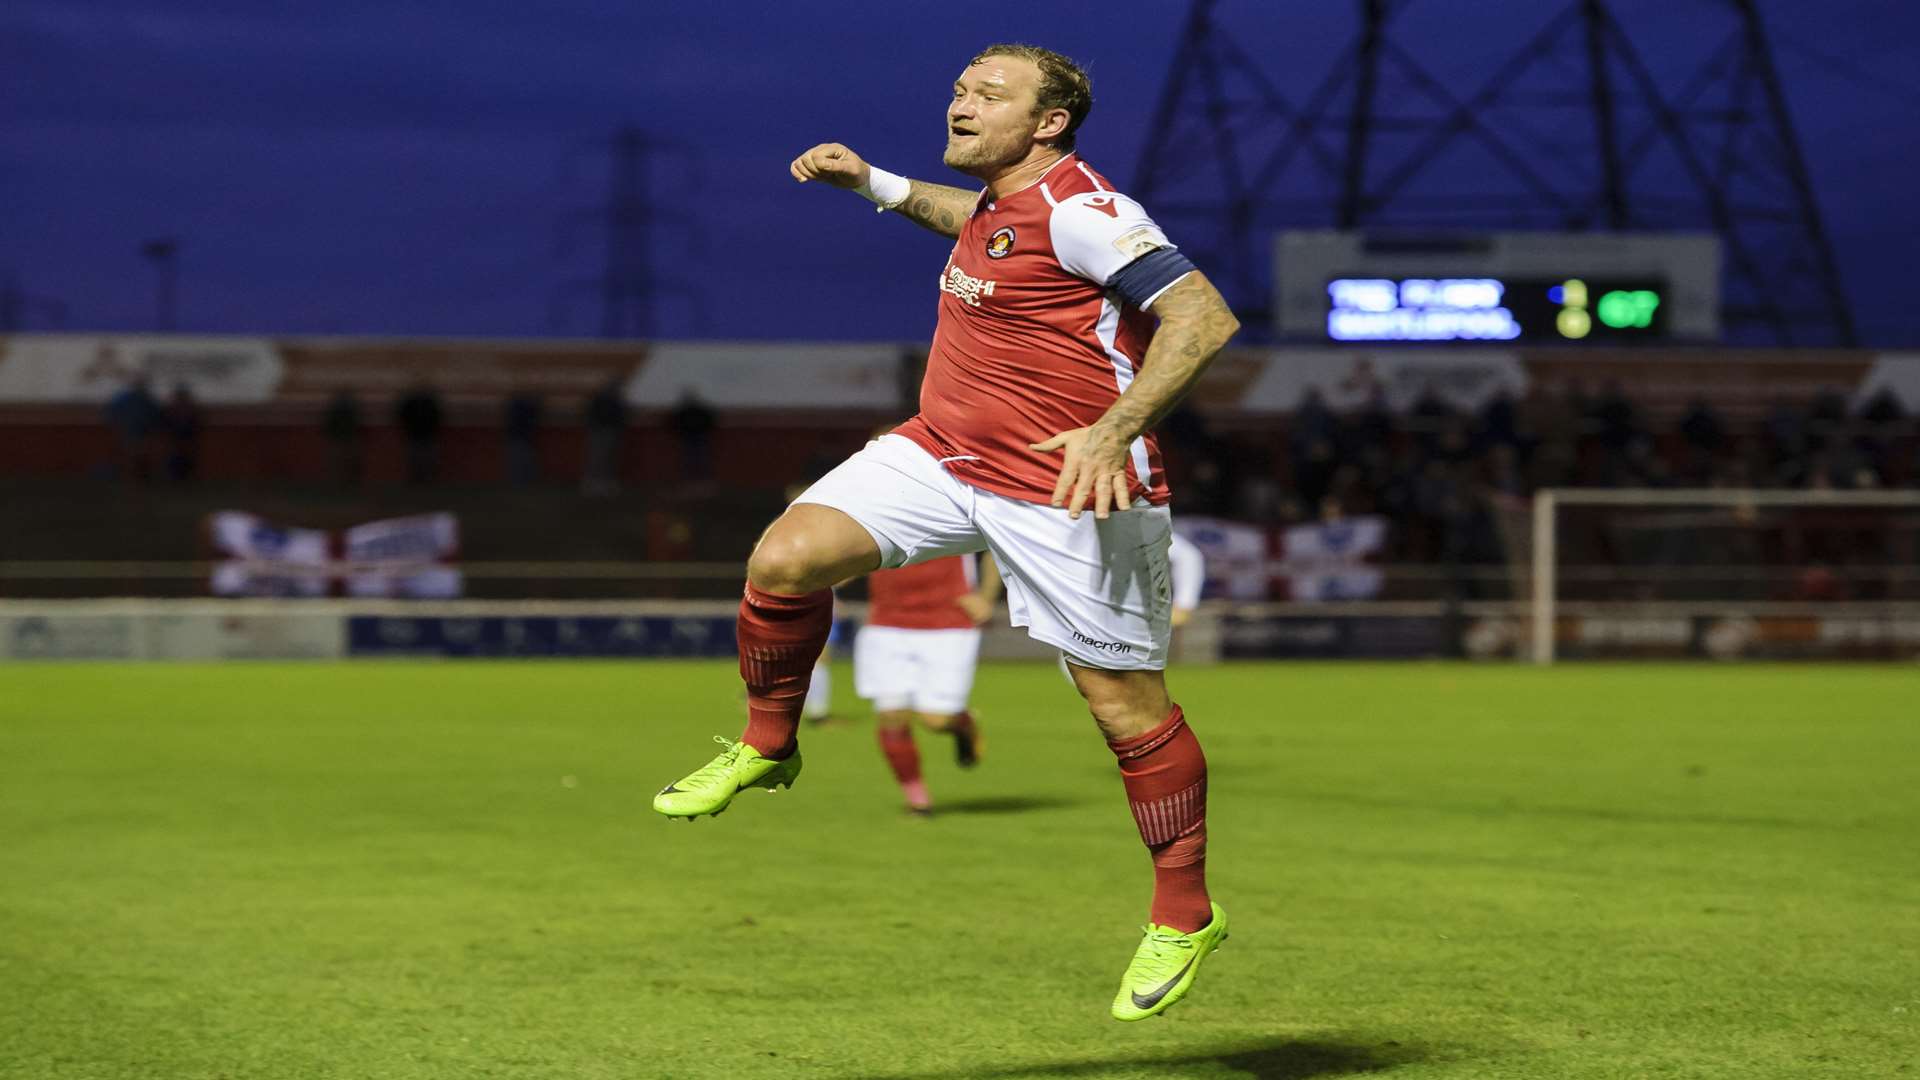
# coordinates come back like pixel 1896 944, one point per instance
pixel 1099 591
pixel 929 671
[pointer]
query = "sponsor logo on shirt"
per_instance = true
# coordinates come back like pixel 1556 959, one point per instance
pixel 965 286
pixel 1137 242
pixel 1000 244
pixel 1102 203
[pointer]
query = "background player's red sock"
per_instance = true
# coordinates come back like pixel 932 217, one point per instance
pixel 780 637
pixel 896 741
pixel 1166 778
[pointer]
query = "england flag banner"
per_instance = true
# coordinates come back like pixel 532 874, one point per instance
pixel 1327 560
pixel 404 558
pixel 263 559
pixel 401 558
pixel 1236 556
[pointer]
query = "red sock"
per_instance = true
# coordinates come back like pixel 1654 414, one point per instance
pixel 780 638
pixel 896 742
pixel 1166 778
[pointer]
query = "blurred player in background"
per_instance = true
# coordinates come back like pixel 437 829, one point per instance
pixel 818 708
pixel 914 659
pixel 1068 327
pixel 1189 567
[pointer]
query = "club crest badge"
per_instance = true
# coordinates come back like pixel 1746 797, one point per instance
pixel 1000 244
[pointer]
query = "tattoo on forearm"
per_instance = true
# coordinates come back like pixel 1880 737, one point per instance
pixel 1194 323
pixel 937 207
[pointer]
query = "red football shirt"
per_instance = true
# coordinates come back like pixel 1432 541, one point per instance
pixel 1029 342
pixel 921 597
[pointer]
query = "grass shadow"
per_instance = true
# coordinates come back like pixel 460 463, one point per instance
pixel 1273 1059
pixel 1001 804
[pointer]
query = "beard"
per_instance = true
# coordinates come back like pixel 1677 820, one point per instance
pixel 981 153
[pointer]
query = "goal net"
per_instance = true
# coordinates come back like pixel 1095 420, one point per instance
pixel 1724 573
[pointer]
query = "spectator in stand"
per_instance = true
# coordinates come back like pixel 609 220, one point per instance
pixel 1456 445
pixel 1314 463
pixel 1877 430
pixel 1826 419
pixel 1580 407
pixel 1314 422
pixel 1619 420
pixel 341 425
pixel 1705 437
pixel 1503 474
pixel 1207 486
pixel 606 435
pixel 1427 419
pixel 1786 442
pixel 133 414
pixel 183 423
pixel 1209 489
pixel 1499 421
pixel 1883 409
pixel 522 431
pixel 693 423
pixel 419 416
pixel 1185 431
pixel 1549 430
pixel 1620 436
pixel 1372 424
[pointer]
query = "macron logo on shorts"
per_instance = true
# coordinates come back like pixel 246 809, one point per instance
pixel 1115 647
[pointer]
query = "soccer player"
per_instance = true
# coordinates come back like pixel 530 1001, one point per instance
pixel 915 656
pixel 1189 566
pixel 817 708
pixel 1046 376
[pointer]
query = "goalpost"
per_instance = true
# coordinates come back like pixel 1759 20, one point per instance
pixel 1896 578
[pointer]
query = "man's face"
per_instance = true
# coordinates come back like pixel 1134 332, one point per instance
pixel 990 122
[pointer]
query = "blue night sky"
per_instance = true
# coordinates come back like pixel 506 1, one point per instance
pixel 406 168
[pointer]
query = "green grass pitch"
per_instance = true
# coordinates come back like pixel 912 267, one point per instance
pixel 397 870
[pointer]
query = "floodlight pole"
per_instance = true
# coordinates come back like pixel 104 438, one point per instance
pixel 1235 158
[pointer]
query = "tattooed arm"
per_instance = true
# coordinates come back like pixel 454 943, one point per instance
pixel 938 207
pixel 1195 323
pixel 935 206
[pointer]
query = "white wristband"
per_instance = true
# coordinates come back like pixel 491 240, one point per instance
pixel 883 189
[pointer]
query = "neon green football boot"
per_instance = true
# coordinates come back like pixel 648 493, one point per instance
pixel 1165 966
pixel 708 789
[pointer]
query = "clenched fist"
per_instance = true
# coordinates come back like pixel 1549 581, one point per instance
pixel 831 163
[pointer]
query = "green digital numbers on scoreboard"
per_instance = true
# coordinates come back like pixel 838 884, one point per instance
pixel 1588 309
pixel 1625 309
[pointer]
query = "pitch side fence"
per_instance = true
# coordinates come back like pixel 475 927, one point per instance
pixel 202 630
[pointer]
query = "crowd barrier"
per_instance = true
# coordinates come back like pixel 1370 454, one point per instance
pixel 204 630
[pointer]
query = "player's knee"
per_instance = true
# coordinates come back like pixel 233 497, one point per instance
pixel 785 561
pixel 1124 708
pixel 1112 711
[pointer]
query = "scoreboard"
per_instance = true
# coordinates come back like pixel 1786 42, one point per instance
pixel 1531 288
pixel 1492 309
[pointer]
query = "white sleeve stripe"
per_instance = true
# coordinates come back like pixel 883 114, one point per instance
pixel 1149 304
pixel 1090 176
pixel 1047 194
pixel 1107 330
